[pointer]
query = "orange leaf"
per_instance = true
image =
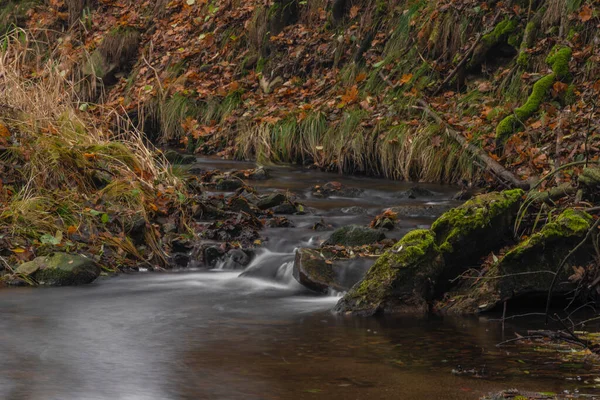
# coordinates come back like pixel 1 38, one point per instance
pixel 351 95
pixel 405 78
pixel 586 13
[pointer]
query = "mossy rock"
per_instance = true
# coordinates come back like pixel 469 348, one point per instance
pixel 528 268
pixel 409 277
pixel 355 235
pixel 60 269
pixel 466 233
pixel 400 280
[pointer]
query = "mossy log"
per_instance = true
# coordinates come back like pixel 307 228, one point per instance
pixel 408 277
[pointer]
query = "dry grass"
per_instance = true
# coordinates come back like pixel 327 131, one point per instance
pixel 67 155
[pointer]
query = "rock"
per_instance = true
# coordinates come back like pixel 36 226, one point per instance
pixel 236 259
pixel 212 254
pixel 355 235
pixel 416 192
pixel 227 183
pixel 180 259
pixel 482 224
pixel 180 245
pixel 335 189
pixel 285 209
pixel 60 269
pixel 175 158
pixel 315 272
pixel 421 210
pixel 523 271
pixel 240 204
pixel 355 210
pixel 321 226
pixel 590 179
pixel 399 281
pixel 279 222
pixel 407 278
pixel 259 174
pixel 270 201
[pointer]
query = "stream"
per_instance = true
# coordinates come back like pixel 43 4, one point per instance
pixel 213 334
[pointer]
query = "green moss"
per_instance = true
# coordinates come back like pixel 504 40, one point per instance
pixel 514 122
pixel 523 59
pixel 260 65
pixel 539 92
pixel 500 32
pixel 453 226
pixel 407 253
pixel 514 40
pixel 559 61
pixel 569 223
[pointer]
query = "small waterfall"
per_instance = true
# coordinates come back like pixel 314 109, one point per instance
pixel 272 266
pixel 285 273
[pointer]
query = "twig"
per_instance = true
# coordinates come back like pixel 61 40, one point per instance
pixel 564 261
pixel 492 165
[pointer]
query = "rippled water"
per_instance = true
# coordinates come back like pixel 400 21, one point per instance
pixel 216 335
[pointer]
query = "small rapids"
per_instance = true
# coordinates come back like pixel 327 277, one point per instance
pixel 255 333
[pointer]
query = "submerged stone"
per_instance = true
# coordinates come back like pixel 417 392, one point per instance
pixel 60 269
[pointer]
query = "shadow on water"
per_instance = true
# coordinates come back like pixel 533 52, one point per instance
pixel 218 335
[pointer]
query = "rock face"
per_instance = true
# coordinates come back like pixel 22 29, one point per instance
pixel 60 269
pixel 355 235
pixel 407 278
pixel 314 271
pixel 527 269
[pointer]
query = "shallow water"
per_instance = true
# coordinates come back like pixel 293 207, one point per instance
pixel 216 335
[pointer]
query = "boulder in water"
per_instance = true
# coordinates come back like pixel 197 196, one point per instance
pixel 355 235
pixel 335 189
pixel 416 192
pixel 418 268
pixel 60 269
pixel 227 183
pixel 315 272
pixel 524 270
pixel 271 200
pixel 236 259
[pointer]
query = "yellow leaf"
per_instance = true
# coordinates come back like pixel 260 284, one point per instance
pixel 405 78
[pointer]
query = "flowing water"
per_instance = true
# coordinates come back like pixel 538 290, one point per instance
pixel 218 335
